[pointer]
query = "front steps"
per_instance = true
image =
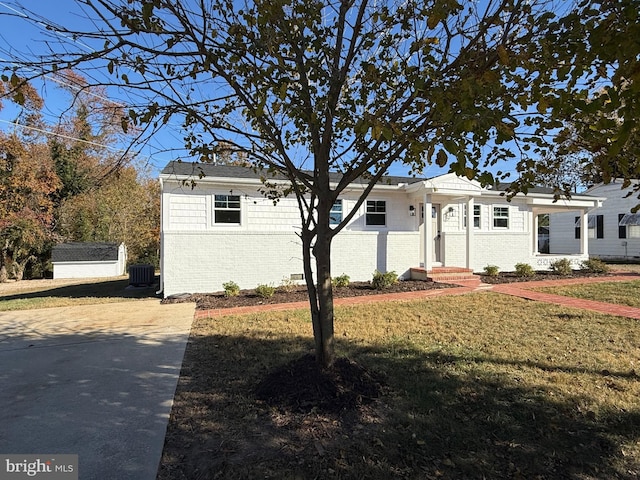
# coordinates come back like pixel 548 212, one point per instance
pixel 456 275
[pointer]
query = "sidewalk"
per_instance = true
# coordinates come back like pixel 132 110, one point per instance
pixel 518 289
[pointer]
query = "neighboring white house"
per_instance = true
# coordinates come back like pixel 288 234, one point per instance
pixel 223 229
pixel 612 230
pixel 86 260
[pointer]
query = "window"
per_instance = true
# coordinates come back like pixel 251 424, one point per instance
pixel 500 217
pixel 622 227
pixel 227 209
pixel 376 212
pixel 629 225
pixel 476 216
pixel 335 215
pixel 595 224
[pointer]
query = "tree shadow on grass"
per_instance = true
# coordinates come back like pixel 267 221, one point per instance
pixel 104 289
pixel 432 421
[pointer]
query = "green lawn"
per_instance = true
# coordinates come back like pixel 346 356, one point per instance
pixel 621 293
pixel 480 386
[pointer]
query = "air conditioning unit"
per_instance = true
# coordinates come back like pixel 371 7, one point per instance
pixel 141 275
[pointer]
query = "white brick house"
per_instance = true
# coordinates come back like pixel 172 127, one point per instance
pixel 612 230
pixel 224 229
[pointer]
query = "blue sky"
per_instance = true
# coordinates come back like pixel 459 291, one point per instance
pixel 23 36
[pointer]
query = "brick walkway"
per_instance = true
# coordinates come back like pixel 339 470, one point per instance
pixel 523 290
pixel 520 289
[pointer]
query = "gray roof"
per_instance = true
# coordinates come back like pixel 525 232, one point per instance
pixel 501 187
pixel 85 252
pixel 199 170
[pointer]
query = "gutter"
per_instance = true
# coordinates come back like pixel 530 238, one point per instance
pixel 161 280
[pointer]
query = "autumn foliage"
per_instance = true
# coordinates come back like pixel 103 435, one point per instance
pixel 68 185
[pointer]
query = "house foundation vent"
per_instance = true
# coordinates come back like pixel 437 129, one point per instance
pixel 141 275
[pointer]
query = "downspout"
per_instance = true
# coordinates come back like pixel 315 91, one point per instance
pixel 161 281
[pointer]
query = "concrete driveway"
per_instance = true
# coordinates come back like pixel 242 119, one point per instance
pixel 97 381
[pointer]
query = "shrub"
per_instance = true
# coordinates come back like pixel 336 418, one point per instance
pixel 287 285
pixel 524 270
pixel 595 265
pixel 231 289
pixel 265 291
pixel 341 281
pixel 561 267
pixel 491 270
pixel 384 280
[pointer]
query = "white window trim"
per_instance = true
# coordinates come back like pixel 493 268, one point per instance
pixel 214 209
pixel 473 217
pixel 495 217
pixel 339 200
pixel 366 212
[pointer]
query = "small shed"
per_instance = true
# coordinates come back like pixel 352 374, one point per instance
pixel 86 260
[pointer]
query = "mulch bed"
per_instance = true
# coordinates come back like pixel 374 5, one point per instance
pixel 511 277
pixel 249 298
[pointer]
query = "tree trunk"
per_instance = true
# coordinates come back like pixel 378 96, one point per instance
pixel 4 276
pixel 323 324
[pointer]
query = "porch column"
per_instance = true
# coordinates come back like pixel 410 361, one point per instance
pixel 584 232
pixel 536 243
pixel 428 234
pixel 470 230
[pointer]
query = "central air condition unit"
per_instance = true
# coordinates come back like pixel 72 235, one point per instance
pixel 141 275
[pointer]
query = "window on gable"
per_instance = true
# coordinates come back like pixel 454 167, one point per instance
pixel 227 209
pixel 335 215
pixel 376 213
pixel 500 217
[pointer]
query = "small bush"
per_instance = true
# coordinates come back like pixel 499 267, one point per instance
pixel 595 265
pixel 265 291
pixel 561 267
pixel 524 270
pixel 287 285
pixel 491 270
pixel 231 289
pixel 341 281
pixel 384 280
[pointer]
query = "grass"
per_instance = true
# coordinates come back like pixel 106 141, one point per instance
pixel 108 291
pixel 480 386
pixel 621 293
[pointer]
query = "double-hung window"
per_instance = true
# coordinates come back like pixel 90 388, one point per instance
pixel 335 215
pixel 476 216
pixel 227 209
pixel 500 217
pixel 376 213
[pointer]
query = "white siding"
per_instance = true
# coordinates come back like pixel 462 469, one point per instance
pixel 562 226
pixel 87 269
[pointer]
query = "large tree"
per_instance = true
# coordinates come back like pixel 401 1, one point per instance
pixel 309 87
pixel 126 209
pixel 27 179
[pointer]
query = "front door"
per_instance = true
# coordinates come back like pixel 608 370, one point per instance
pixel 435 229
